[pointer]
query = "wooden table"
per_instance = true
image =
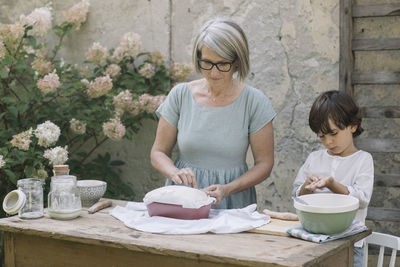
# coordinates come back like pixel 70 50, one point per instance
pixel 101 240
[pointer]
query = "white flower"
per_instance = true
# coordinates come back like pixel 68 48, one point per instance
pixel 47 133
pixel 39 19
pixel 2 162
pixel 77 14
pixel 57 155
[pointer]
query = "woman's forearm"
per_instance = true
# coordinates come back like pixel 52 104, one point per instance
pixel 252 177
pixel 163 164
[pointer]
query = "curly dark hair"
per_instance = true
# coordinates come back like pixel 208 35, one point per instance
pixel 337 106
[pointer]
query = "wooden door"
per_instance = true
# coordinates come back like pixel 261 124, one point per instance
pixel 369 70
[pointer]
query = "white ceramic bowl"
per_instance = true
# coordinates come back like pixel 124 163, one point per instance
pixel 91 191
pixel 326 213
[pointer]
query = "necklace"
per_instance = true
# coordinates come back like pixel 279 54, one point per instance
pixel 214 99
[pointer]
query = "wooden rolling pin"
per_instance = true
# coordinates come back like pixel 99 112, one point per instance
pixel 287 216
pixel 99 206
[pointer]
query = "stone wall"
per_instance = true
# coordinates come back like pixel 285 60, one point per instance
pixel 294 47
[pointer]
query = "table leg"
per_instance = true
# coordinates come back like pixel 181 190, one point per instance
pixel 9 250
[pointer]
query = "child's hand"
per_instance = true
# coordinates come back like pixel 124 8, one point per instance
pixel 314 182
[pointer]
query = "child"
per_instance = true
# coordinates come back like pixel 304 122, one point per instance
pixel 339 168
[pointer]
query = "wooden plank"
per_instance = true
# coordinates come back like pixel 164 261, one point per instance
pixel 379 10
pixel 346 57
pixel 48 252
pixel 376 44
pixel 381 112
pixel 383 214
pixel 389 180
pixel 376 77
pixel 378 145
pixel 343 258
pixel 9 250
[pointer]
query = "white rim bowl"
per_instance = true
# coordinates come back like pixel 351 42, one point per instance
pixel 327 203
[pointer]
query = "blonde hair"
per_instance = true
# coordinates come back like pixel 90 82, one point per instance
pixel 226 38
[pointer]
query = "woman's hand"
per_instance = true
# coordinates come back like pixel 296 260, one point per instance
pixel 218 191
pixel 185 176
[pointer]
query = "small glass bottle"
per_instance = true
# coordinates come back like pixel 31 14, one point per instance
pixel 33 190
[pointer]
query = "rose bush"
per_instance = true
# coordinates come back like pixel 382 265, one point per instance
pixel 54 112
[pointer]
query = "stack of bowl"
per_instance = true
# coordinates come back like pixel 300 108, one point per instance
pixel 326 213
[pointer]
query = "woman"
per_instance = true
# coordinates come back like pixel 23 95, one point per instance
pixel 214 120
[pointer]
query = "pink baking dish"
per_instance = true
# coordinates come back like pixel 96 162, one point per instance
pixel 177 212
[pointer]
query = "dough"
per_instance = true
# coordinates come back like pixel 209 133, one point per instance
pixel 188 197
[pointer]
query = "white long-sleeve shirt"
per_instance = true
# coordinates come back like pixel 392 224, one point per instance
pixel 355 171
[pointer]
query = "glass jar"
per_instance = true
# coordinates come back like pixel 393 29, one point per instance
pixel 33 191
pixel 64 201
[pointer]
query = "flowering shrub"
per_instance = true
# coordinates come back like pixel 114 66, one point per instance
pixel 53 112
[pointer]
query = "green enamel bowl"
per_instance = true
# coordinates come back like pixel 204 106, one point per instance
pixel 326 213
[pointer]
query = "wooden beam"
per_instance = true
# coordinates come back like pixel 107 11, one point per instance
pixel 376 77
pixel 381 112
pixel 383 214
pixel 376 44
pixel 346 54
pixel 388 180
pixel 376 10
pixel 378 145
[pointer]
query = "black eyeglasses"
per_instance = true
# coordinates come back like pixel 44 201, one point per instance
pixel 221 66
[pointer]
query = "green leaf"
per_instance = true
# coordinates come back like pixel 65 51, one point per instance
pixel 117 163
pixel 28 171
pixel 31 41
pixel 11 176
pixel 13 110
pixel 3 73
pixel 107 157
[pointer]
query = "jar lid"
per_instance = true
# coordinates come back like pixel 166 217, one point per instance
pixel 61 169
pixel 14 201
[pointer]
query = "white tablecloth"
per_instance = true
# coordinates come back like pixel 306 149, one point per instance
pixel 134 215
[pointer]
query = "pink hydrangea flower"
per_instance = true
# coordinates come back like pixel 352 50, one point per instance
pixel 147 70
pixel 97 54
pixel 77 126
pixel 123 100
pixel 22 140
pixel 100 86
pixel 157 58
pixel 2 49
pixel 11 34
pixel 149 103
pixel 28 49
pixel 180 72
pixel 47 133
pixel 129 46
pixel 114 129
pixel 39 19
pixel 42 66
pixel 113 71
pixel 2 162
pixel 57 155
pixel 49 83
pixel 77 14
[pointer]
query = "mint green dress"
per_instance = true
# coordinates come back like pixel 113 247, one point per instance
pixel 213 141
